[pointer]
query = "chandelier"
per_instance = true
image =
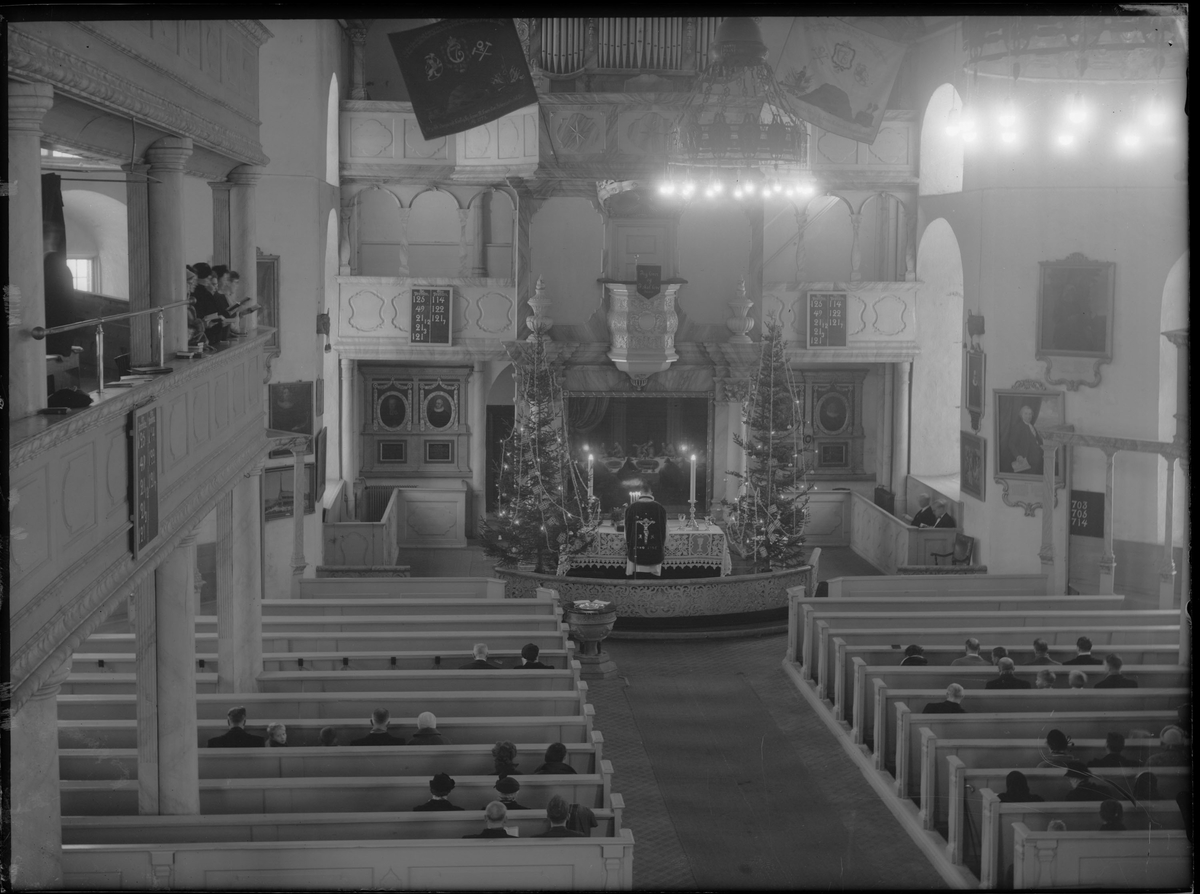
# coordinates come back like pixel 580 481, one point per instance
pixel 736 133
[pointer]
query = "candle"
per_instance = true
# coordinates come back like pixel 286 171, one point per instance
pixel 591 477
pixel 693 478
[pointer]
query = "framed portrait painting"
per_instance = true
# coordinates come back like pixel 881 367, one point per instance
pixel 972 464
pixel 290 407
pixel 974 384
pixel 1019 417
pixel 277 491
pixel 1075 308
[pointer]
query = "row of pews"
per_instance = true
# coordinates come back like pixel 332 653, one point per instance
pixel 941 773
pixel 312 817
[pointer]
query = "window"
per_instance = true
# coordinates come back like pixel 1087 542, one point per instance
pixel 82 273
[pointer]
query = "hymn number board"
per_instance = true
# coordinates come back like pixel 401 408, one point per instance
pixel 827 319
pixel 430 316
pixel 143 476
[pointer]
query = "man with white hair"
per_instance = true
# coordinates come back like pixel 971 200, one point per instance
pixel 1007 679
pixel 924 517
pixel 972 658
pixel 480 652
pixel 493 818
pixel 427 731
pixel 952 704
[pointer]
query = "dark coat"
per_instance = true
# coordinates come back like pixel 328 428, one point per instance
pixel 946 707
pixel 436 804
pixel 532 665
pixel 478 664
pixel 1087 790
pixel 560 832
pixel 946 521
pixel 1084 659
pixel 378 737
pixel 970 661
pixel 1014 798
pixel 1113 760
pixel 553 767
pixel 1041 659
pixel 915 661
pixel 509 805
pixel 236 738
pixel 1008 681
pixel 427 737
pixel 924 518
pixel 490 833
pixel 1116 681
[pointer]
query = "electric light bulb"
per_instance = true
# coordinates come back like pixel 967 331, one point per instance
pixel 1009 136
pixel 777 186
pixel 737 192
pixel 952 123
pixel 1066 139
pixel 717 186
pixel 708 193
pixel 1008 113
pixel 1076 111
pixel 667 188
pixel 1157 113
pixel 688 187
pixel 789 192
pixel 749 189
pixel 1131 139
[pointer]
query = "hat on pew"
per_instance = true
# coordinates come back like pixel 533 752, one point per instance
pixel 441 784
pixel 506 785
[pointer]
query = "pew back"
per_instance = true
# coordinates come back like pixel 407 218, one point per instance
pixel 410 606
pixel 1140 860
pixel 125 662
pixel 275 625
pixel 401 588
pixel 951 584
pixel 385 641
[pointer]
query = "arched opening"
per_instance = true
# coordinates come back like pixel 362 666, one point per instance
pixel 501 415
pixel 937 369
pixel 941 154
pixel 380 233
pixel 98 235
pixel 828 236
pixel 496 208
pixel 331 133
pixel 882 239
pixel 434 220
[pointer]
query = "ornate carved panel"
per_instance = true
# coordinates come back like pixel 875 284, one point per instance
pixel 221 401
pixel 200 415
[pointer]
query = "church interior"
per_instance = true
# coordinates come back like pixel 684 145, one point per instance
pixel 358 344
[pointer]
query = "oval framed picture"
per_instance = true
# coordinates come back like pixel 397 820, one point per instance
pixel 832 413
pixel 391 409
pixel 439 410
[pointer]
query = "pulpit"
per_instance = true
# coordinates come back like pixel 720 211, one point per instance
pixel 432 513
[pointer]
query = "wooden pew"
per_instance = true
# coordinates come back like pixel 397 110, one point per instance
pixel 997 839
pixel 316 826
pixel 108 733
pixel 1082 860
pixel 965 804
pixel 923 584
pixel 417 864
pixel 402 587
pixel 802 624
pixel 911 731
pixel 331 794
pixel 274 625
pixel 354 681
pixel 1016 701
pixel 409 606
pixel 974 678
pixel 124 662
pixel 1106 639
pixel 422 761
pixel 941 656
pixel 385 641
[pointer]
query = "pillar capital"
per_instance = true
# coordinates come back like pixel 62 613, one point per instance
pixel 169 153
pixel 220 185
pixel 245 175
pixel 27 105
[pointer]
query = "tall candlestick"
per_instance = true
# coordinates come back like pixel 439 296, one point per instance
pixel 693 499
pixel 591 477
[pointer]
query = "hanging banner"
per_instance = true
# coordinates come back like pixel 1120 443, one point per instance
pixel 462 73
pixel 649 280
pixel 838 76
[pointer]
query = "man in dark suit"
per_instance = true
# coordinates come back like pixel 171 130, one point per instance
pixel 529 658
pixel 1041 653
pixel 645 535
pixel 924 517
pixel 379 734
pixel 972 658
pixel 493 816
pixel 427 731
pixel 1115 679
pixel 1115 742
pixel 1025 445
pixel 1083 646
pixel 557 812
pixel 1007 679
pixel 952 704
pixel 480 661
pixel 942 518
pixel 440 787
pixel 236 737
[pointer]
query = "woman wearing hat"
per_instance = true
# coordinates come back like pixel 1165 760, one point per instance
pixel 440 787
pixel 508 787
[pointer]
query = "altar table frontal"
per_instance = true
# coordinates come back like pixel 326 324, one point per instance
pixel 703 548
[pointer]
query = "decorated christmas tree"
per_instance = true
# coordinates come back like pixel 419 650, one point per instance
pixel 767 521
pixel 543 514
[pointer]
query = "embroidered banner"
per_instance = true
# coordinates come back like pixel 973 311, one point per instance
pixel 838 76
pixel 462 73
pixel 649 280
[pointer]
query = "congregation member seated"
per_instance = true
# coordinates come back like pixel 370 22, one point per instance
pixel 1045 679
pixel 1115 743
pixel 924 517
pixel 508 787
pixel 276 735
pixel 480 661
pixel 1145 787
pixel 1041 653
pixel 1007 679
pixel 1084 785
pixel 1112 816
pixel 427 731
pixel 503 756
pixel 914 656
pixel 1016 789
pixel 952 704
pixel 1083 649
pixel 943 518
pixel 1060 750
pixel 557 812
pixel 529 658
pixel 493 822
pixel 1172 752
pixel 1077 679
pixel 1115 679
pixel 440 787
pixel 327 736
pixel 972 658
pixel 379 734
pixel 236 737
pixel 1056 826
pixel 555 760
pixel 997 653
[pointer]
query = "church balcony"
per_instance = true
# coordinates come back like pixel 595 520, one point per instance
pixel 846 322
pixel 74 552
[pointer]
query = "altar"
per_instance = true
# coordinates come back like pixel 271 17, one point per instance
pixel 705 547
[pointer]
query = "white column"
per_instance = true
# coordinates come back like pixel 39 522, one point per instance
pixel 168 279
pixel 26 287
pixel 239 587
pixel 1108 559
pixel 900 423
pixel 477 400
pixel 884 460
pixel 36 814
pixel 178 777
pixel 1185 581
pixel 357 32
pixel 1048 554
pixel 298 561
pixel 478 212
pixel 143 616
pixel 243 233
pixel 347 434
pixel 143 331
pixel 220 214
pixel 1166 574
pixel 855 248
